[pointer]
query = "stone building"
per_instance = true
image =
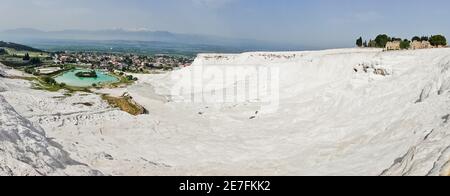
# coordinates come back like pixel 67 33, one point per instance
pixel 421 45
pixel 394 45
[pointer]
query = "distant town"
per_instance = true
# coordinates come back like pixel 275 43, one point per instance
pixel 123 62
pixel 50 70
pixel 38 62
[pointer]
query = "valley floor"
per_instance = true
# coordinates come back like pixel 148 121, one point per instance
pixel 341 112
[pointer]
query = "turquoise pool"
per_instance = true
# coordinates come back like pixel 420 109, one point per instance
pixel 69 78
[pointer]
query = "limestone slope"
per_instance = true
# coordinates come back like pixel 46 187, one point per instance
pixel 25 150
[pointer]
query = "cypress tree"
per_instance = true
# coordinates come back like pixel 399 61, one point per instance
pixel 359 42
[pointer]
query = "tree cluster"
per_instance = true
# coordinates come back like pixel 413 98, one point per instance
pixel 381 40
pixel 26 57
pixel 35 61
pixel 438 40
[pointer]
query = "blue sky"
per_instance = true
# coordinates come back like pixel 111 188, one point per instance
pixel 317 23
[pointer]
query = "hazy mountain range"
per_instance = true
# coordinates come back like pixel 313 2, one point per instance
pixel 36 37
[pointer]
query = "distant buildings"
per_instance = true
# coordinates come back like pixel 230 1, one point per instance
pixel 124 62
pixel 394 45
pixel 420 45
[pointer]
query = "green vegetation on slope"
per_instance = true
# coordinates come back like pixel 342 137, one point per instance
pixel 18 47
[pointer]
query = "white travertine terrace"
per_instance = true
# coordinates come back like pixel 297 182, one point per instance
pixel 341 112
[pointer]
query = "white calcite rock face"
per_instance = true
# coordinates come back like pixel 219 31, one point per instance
pixel 24 149
pixel 339 112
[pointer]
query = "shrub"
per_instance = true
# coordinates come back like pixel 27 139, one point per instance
pixel 49 80
pixel 372 44
pixel 30 70
pixel 438 40
pixel 405 44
